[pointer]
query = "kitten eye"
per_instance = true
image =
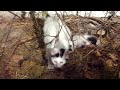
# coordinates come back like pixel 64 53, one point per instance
pixel 57 55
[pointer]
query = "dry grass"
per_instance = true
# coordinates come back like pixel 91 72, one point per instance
pixel 21 59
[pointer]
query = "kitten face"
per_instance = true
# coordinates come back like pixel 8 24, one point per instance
pixel 57 57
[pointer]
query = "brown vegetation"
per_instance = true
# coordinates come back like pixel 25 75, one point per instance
pixel 21 55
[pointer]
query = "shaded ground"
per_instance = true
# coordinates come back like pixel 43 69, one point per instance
pixel 21 59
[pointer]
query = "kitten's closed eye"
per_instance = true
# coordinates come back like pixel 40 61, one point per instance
pixel 57 55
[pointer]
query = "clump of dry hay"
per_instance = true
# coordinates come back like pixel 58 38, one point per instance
pixel 91 63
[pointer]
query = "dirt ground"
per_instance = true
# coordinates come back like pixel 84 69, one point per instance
pixel 21 59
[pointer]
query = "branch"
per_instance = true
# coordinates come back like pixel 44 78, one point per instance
pixel 14 14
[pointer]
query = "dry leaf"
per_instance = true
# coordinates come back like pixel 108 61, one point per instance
pixel 115 65
pixel 113 56
pixel 92 75
pixel 16 59
pixel 101 32
pixel 109 63
pixel 97 53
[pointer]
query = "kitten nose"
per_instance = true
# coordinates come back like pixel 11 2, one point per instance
pixel 61 62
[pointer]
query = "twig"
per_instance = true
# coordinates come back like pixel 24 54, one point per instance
pixel 6 39
pixel 14 14
pixel 65 27
pixel 89 53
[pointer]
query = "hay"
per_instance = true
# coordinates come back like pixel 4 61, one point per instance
pixel 85 63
